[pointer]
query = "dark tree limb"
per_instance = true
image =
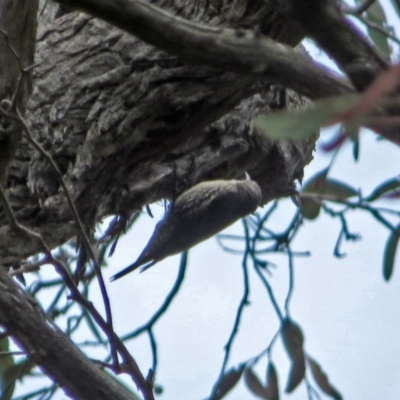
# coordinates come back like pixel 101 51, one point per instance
pixel 228 49
pixel 323 22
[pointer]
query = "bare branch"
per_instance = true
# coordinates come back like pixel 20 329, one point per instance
pixel 50 349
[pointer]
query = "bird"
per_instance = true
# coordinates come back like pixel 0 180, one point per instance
pixel 196 215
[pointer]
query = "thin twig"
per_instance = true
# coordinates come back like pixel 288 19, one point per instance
pixel 168 300
pixel 243 302
pixel 378 28
pixel 291 281
pixel 14 225
pixel 80 227
pixel 15 53
pixel 257 267
pixel 375 212
pixel 270 292
pixel 153 346
pixel 130 365
pixel 12 353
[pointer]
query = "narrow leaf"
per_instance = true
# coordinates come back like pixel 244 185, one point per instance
pixel 385 187
pixel 341 190
pixel 293 341
pixel 292 338
pixel 316 184
pixel 272 382
pixel 227 382
pixel 322 380
pixel 253 383
pixel 296 374
pixel 390 253
pixel 356 147
pixel 352 130
pixel 298 124
pixel 376 16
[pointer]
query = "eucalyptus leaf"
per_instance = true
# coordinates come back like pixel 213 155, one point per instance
pixel 385 187
pixel 376 16
pixel 322 379
pixel 292 337
pixel 310 208
pixel 299 124
pixel 253 383
pixel 389 254
pixel 227 382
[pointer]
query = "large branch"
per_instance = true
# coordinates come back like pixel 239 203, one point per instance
pixel 228 49
pixel 323 21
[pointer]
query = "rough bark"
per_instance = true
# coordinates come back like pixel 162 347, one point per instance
pixel 129 125
pixel 17 49
pixel 235 50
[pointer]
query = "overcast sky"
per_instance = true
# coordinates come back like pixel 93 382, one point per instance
pixel 348 313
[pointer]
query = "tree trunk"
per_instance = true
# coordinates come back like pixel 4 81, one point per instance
pixel 128 124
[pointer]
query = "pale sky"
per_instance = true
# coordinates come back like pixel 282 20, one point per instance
pixel 348 313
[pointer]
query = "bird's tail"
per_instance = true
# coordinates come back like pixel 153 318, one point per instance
pixel 130 268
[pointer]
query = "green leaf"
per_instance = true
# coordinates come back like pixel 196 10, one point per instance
pixel 390 253
pixel 384 187
pixel 292 337
pixel 321 185
pixel 356 147
pixel 376 16
pixel 339 189
pixel 352 130
pixel 322 380
pixel 253 383
pixel 227 382
pixel 316 184
pixel 298 124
